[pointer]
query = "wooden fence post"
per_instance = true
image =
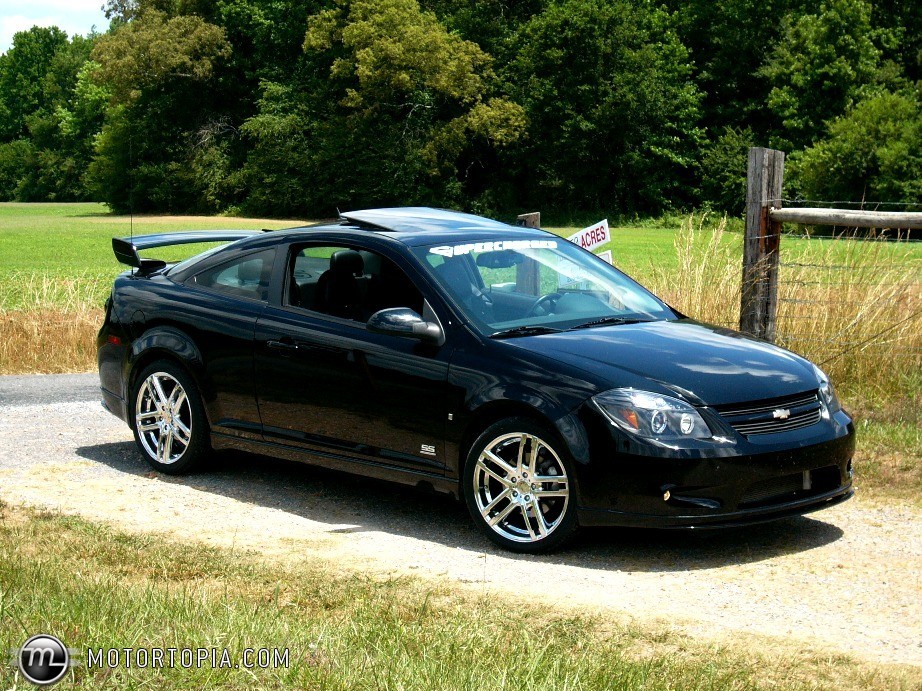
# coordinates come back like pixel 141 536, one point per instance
pixel 527 280
pixel 759 302
pixel 529 220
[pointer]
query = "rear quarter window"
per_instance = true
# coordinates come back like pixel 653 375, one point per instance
pixel 246 277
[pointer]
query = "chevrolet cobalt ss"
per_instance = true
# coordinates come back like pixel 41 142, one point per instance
pixel 501 364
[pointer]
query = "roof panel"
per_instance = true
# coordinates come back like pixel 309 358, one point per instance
pixel 421 218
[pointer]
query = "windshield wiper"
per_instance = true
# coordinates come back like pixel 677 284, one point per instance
pixel 524 331
pixel 605 321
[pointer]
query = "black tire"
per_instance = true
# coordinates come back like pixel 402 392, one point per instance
pixel 529 496
pixel 168 418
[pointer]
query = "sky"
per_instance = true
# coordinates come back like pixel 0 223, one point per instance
pixel 73 16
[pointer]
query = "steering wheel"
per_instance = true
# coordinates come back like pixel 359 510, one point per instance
pixel 550 298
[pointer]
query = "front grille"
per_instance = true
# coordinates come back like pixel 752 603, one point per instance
pixel 778 490
pixel 773 415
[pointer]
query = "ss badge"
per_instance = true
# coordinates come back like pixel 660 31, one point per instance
pixel 427 449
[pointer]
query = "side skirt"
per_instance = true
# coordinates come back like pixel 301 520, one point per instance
pixel 348 464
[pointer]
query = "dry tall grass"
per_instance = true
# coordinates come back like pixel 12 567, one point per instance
pixel 48 324
pixel 48 341
pixel 852 306
pixel 706 285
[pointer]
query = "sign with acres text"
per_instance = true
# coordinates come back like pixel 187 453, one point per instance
pixel 592 237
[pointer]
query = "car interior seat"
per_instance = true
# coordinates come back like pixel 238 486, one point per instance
pixel 338 288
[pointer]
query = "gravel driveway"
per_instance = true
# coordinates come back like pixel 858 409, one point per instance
pixel 848 579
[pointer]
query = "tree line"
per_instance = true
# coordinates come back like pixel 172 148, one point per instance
pixel 300 107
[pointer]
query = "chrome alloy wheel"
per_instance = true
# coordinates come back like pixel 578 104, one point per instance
pixel 521 487
pixel 163 418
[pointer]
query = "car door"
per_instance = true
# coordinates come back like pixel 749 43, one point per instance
pixel 219 306
pixel 328 385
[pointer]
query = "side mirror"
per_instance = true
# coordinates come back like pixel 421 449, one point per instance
pixel 402 321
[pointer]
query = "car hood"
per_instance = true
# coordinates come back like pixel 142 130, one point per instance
pixel 705 364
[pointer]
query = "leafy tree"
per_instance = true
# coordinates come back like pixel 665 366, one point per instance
pixel 157 70
pixel 723 169
pixel 154 52
pixel 902 20
pixel 612 110
pixel 727 41
pixel 873 152
pixel 15 156
pixel 50 164
pixel 280 165
pixel 204 105
pixel 820 68
pixel 400 101
pixel 22 77
pixel 491 24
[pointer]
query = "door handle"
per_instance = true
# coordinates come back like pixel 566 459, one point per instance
pixel 285 344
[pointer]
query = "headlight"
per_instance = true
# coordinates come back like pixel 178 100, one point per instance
pixel 827 393
pixel 652 415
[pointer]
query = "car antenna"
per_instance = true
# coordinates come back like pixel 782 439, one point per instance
pixel 130 188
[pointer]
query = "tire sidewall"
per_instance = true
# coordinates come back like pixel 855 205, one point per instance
pixel 568 525
pixel 199 443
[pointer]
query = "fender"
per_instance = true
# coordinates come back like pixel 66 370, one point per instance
pixel 537 388
pixel 566 422
pixel 168 340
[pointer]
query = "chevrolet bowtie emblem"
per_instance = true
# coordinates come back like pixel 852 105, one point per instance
pixel 781 414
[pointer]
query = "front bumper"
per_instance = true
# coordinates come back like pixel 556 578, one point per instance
pixel 603 517
pixel 773 477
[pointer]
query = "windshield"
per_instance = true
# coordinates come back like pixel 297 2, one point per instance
pixel 522 287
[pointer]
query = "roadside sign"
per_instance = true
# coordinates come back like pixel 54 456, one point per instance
pixel 592 237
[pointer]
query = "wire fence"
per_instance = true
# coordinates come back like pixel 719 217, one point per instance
pixel 852 302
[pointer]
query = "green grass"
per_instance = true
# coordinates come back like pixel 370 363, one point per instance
pixel 889 460
pixel 95 587
pixel 643 250
pixel 72 243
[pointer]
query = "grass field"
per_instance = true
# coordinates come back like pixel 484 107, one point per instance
pixel 70 245
pixel 844 304
pixel 93 587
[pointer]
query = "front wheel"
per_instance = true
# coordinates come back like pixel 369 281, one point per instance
pixel 169 421
pixel 519 488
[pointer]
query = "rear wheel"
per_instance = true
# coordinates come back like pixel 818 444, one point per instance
pixel 169 421
pixel 518 486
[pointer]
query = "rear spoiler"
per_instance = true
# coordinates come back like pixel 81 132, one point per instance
pixel 126 249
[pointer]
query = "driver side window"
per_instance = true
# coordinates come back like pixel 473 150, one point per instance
pixel 347 282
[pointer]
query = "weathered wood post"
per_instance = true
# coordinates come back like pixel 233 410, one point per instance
pixel 527 280
pixel 759 303
pixel 529 220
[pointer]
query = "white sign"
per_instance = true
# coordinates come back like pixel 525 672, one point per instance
pixel 592 237
pixel 606 255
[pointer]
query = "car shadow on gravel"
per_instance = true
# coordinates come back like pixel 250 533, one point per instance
pixel 352 504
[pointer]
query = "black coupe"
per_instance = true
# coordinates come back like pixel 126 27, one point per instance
pixel 500 364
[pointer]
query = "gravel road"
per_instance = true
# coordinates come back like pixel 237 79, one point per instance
pixel 848 579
